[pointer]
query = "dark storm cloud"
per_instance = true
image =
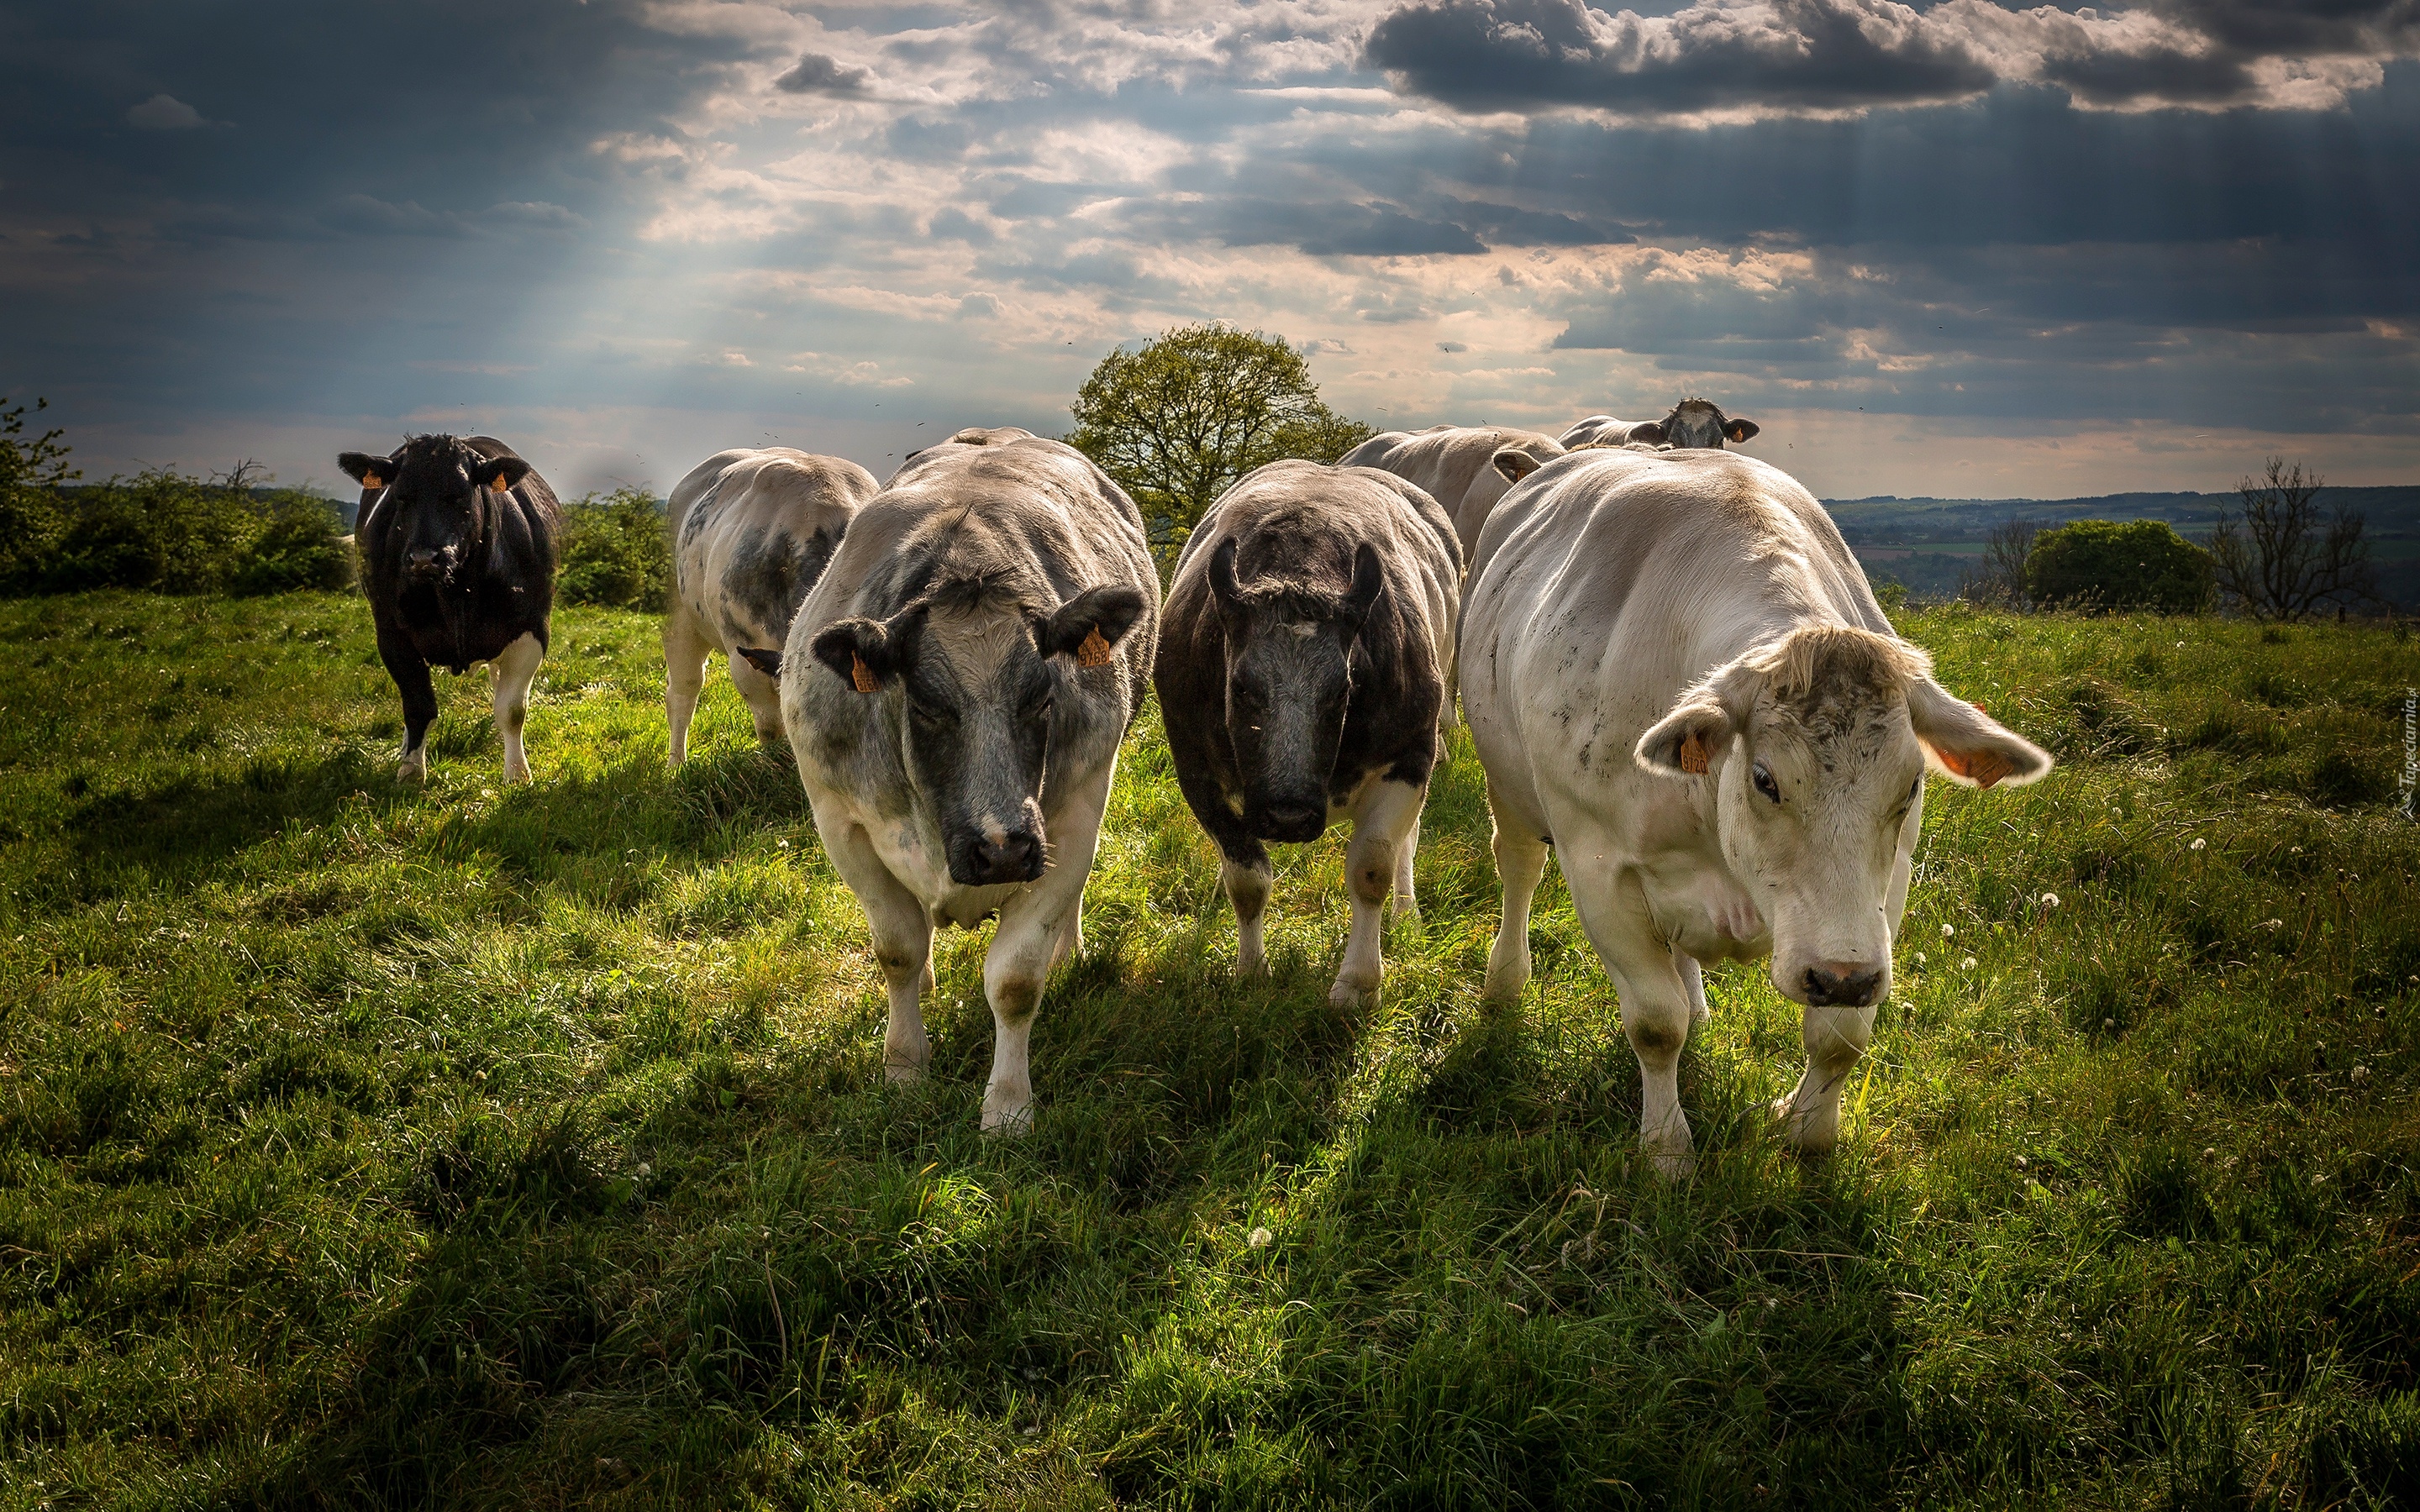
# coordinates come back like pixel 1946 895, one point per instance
pixel 820 73
pixel 1780 56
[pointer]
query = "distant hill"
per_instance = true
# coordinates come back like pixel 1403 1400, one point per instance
pixel 1931 543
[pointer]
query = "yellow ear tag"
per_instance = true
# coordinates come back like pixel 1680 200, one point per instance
pixel 1693 755
pixel 1094 652
pixel 373 481
pixel 861 675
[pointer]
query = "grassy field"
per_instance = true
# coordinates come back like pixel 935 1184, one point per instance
pixel 362 1146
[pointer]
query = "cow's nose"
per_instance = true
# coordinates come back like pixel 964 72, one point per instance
pixel 1292 819
pixel 421 560
pixel 1015 857
pixel 1844 984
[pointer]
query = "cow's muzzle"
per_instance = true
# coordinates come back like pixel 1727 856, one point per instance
pixel 982 861
pixel 1842 984
pixel 1291 820
pixel 427 564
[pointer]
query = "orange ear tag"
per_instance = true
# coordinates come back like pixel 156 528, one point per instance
pixel 373 481
pixel 1982 767
pixel 1695 758
pixel 861 675
pixel 501 486
pixel 1094 652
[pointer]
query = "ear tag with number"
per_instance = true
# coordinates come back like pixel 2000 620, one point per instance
pixel 1094 652
pixel 1695 757
pixel 861 676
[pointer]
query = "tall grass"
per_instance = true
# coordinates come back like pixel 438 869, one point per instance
pixel 368 1146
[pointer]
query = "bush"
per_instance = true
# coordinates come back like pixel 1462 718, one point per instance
pixel 616 551
pixel 2106 565
pixel 32 520
pixel 299 547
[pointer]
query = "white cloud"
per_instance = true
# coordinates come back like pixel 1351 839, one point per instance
pixel 164 112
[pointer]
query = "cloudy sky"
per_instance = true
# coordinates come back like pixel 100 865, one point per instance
pixel 1957 248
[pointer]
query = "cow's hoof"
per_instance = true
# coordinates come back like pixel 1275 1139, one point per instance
pixel 1251 965
pixel 411 772
pixel 1006 1123
pixel 1348 995
pixel 1407 906
pixel 1674 1167
pixel 902 1073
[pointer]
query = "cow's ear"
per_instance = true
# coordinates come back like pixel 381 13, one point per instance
pixel 865 654
pixel 1226 591
pixel 768 662
pixel 370 471
pixel 508 470
pixel 1368 581
pixel 1090 625
pixel 1740 430
pixel 1514 463
pixel 1649 431
pixel 1685 742
pixel 1967 745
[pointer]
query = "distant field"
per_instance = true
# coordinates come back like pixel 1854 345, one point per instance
pixel 364 1145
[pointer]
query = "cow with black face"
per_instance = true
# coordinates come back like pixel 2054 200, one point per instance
pixel 456 538
pixel 1303 680
pixel 954 690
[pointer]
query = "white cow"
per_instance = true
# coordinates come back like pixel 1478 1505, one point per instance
pixel 752 532
pixel 1674 671
pixel 1457 466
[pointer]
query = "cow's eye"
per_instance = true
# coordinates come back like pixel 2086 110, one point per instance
pixel 1763 777
pixel 931 715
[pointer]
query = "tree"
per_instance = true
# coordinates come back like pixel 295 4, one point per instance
pixel 2001 576
pixel 2109 564
pixel 1178 420
pixel 2282 561
pixel 31 519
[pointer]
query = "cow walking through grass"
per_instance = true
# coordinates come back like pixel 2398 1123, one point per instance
pixel 1675 673
pixel 752 531
pixel 955 690
pixel 1302 678
pixel 458 539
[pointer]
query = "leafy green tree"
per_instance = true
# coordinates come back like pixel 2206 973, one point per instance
pixel 616 551
pixel 1183 417
pixel 31 519
pixel 2107 564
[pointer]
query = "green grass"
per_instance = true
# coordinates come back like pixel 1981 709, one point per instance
pixel 362 1146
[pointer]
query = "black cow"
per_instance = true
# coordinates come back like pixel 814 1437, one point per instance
pixel 1302 674
pixel 458 544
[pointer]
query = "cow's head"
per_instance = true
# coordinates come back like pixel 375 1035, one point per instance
pixel 1289 678
pixel 1815 747
pixel 977 669
pixel 437 505
pixel 1694 423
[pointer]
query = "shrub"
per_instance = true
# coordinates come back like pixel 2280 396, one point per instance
pixel 31 517
pixel 299 548
pixel 615 551
pixel 2104 566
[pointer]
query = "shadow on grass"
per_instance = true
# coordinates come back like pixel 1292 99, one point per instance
pixel 194 821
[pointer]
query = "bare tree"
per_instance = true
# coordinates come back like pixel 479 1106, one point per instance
pixel 2000 577
pixel 2283 561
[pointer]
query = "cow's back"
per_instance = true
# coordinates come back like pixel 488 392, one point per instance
pixel 1611 579
pixel 1455 466
pixel 752 532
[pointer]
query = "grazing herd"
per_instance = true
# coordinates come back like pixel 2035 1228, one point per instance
pixel 1674 674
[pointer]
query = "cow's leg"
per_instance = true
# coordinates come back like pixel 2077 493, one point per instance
pixel 1693 979
pixel 1384 815
pixel 1655 1004
pixel 516 668
pixel 1520 861
pixel 685 651
pixel 763 696
pixel 1246 877
pixel 1070 939
pixel 1030 926
pixel 410 675
pixel 1835 1038
pixel 1407 901
pixel 903 944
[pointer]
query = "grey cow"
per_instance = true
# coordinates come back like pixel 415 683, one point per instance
pixel 1693 422
pixel 1302 678
pixel 955 690
pixel 753 530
